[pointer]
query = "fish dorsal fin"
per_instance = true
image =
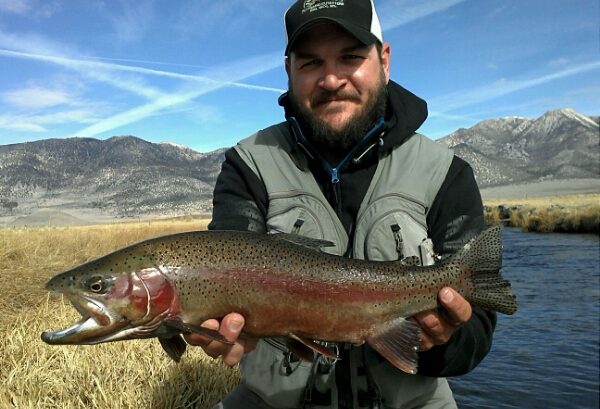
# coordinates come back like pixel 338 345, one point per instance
pixel 398 341
pixel 313 244
pixel 412 261
pixel 311 345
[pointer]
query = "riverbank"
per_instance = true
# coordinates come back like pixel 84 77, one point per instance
pixel 571 213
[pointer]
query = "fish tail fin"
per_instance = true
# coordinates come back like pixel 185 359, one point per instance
pixel 482 256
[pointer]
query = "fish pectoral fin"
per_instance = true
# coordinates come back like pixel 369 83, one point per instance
pixel 398 342
pixel 174 346
pixel 187 328
pixel 310 243
pixel 306 347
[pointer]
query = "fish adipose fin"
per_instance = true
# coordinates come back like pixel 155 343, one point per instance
pixel 483 257
pixel 398 341
pixel 303 348
pixel 174 346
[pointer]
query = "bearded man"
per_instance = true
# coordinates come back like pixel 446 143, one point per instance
pixel 347 166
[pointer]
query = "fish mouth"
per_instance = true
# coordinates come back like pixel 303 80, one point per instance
pixel 97 324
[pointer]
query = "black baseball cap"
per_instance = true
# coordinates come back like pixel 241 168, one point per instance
pixel 357 17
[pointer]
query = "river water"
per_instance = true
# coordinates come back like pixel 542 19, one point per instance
pixel 546 355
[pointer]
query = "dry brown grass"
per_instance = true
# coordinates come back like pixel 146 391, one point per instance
pixel 569 213
pixel 129 374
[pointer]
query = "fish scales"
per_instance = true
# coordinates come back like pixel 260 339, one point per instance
pixel 283 285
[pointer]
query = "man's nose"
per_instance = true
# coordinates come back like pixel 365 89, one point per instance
pixel 332 78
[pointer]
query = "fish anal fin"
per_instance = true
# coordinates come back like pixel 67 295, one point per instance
pixel 300 350
pixel 187 328
pixel 312 346
pixel 398 342
pixel 174 346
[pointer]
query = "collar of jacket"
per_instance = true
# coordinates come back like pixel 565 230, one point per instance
pixel 405 112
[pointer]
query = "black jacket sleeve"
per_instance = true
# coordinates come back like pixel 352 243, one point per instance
pixel 240 198
pixel 455 217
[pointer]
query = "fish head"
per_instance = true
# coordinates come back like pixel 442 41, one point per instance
pixel 119 296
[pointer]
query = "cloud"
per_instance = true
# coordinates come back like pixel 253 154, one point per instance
pixel 130 22
pixel 30 8
pixel 39 123
pixel 559 62
pixel 395 13
pixel 14 6
pixel 36 97
pixel 20 124
pixel 131 19
pixel 201 17
pixel 130 78
pixel 455 100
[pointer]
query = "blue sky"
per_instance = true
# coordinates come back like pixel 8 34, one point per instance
pixel 208 73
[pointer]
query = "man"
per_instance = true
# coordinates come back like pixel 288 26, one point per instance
pixel 348 167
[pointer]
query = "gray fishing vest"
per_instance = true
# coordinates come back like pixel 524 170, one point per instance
pixel 391 224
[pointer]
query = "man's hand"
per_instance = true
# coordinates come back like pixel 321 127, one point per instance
pixel 438 326
pixel 230 327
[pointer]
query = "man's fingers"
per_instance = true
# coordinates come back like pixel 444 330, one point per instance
pixel 437 326
pixel 457 310
pixel 230 327
pixel 202 340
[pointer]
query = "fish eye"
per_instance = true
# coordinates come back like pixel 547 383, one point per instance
pixel 96 285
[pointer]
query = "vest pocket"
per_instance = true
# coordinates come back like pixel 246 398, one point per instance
pixel 394 236
pixel 296 220
pixel 306 216
pixel 265 372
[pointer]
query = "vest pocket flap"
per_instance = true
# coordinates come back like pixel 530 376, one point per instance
pixel 391 228
pixel 304 215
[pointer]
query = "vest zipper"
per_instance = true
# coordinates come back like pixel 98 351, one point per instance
pixel 334 171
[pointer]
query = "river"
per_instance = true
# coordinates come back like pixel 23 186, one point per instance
pixel 546 355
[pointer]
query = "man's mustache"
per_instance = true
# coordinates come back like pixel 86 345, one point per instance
pixel 326 96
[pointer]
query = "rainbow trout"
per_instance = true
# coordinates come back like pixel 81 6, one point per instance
pixel 283 285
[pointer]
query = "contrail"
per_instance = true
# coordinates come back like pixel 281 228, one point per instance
pixel 235 71
pixel 460 99
pixel 82 63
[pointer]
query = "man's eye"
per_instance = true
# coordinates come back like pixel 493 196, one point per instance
pixel 308 63
pixel 352 57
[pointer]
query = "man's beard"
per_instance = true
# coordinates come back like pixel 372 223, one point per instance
pixel 345 138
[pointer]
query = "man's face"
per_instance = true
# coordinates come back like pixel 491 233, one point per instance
pixel 334 79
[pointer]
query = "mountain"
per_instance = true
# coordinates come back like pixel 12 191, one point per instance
pixel 561 144
pixel 123 176
pixel 85 179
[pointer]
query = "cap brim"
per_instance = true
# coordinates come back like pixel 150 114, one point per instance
pixel 362 35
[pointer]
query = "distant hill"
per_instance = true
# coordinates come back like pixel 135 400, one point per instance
pixel 123 176
pixel 561 144
pixel 84 179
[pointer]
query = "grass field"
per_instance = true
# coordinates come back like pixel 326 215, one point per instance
pixel 130 374
pixel 567 214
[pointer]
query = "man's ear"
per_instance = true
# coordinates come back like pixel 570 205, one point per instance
pixel 386 54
